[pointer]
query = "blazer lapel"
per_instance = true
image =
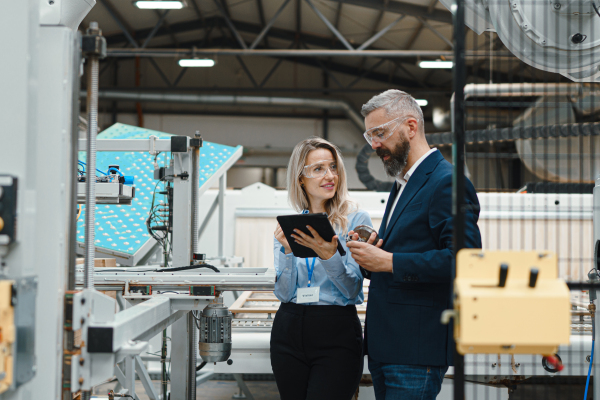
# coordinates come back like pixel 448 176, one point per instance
pixel 388 208
pixel 414 184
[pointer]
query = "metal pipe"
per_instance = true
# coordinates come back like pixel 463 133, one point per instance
pixel 74 164
pixel 320 104
pixel 222 188
pixel 93 70
pixel 166 52
pixel 193 342
pixel 523 89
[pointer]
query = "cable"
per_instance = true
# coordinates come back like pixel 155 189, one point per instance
pixel 188 267
pixel 84 164
pixel 587 382
pixel 199 367
pixel 595 8
pixel 114 169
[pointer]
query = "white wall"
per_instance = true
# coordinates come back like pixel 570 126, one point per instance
pixel 260 133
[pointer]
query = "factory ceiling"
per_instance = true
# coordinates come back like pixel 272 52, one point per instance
pixel 344 49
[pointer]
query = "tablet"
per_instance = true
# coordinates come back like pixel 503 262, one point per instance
pixel 318 222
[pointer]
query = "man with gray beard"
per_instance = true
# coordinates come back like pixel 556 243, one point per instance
pixel 410 268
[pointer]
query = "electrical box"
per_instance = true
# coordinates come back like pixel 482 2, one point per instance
pixel 510 302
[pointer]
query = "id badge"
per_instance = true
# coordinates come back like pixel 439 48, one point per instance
pixel 307 295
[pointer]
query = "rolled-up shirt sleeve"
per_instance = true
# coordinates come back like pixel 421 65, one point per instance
pixel 344 271
pixel 287 274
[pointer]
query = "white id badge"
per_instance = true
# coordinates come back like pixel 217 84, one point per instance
pixel 307 295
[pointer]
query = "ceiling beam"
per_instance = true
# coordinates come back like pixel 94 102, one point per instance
pixel 403 8
pixel 314 62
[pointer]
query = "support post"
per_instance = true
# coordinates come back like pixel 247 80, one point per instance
pixel 596 247
pixel 222 187
pixel 458 164
pixel 182 207
pixel 180 360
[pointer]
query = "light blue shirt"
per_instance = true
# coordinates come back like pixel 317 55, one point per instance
pixel 339 278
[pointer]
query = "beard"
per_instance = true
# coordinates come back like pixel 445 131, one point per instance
pixel 398 158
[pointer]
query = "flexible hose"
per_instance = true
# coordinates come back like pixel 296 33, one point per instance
pixel 90 181
pixel 587 382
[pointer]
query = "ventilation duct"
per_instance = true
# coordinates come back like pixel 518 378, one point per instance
pixel 320 104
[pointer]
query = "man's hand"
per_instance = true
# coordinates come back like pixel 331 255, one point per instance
pixel 370 256
pixel 280 236
pixel 325 250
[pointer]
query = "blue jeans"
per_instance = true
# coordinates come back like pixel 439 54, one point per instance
pixel 406 382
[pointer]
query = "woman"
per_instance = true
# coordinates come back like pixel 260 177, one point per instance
pixel 316 348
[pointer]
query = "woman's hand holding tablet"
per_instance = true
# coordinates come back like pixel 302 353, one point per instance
pixel 279 235
pixel 300 231
pixel 324 249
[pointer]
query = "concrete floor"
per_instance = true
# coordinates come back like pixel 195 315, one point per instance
pixel 209 390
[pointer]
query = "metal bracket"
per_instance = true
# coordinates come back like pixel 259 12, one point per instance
pixel 25 292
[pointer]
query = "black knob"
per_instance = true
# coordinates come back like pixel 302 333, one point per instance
pixel 229 362
pixel 578 38
pixel 503 275
pixel 533 275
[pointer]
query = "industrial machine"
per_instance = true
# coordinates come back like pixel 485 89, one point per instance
pixel 560 36
pixel 59 334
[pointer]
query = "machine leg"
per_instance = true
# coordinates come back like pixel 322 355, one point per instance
pixel 130 376
pixel 179 360
pixel 243 388
pixel 145 378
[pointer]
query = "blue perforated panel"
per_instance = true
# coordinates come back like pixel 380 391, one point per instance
pixel 122 228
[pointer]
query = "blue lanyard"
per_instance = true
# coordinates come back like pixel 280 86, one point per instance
pixel 310 269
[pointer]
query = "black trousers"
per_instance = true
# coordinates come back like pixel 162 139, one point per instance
pixel 316 352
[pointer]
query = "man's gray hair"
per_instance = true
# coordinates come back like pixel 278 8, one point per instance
pixel 396 103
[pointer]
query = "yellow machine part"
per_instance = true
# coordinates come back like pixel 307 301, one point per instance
pixel 516 318
pixel 7 335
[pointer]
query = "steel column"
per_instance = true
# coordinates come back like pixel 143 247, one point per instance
pixel 222 188
pixel 458 166
pixel 182 203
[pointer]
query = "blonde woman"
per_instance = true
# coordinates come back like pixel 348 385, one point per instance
pixel 316 348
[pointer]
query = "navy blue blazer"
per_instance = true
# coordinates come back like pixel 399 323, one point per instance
pixel 404 307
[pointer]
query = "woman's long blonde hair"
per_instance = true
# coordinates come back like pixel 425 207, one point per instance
pixel 339 206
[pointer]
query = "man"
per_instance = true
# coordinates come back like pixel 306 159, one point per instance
pixel 411 267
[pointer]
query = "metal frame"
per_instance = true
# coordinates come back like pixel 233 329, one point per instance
pixel 164 145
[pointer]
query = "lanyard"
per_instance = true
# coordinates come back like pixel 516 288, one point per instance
pixel 310 269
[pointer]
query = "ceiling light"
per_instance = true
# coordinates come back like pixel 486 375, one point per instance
pixel 159 5
pixel 422 102
pixel 196 62
pixel 436 64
